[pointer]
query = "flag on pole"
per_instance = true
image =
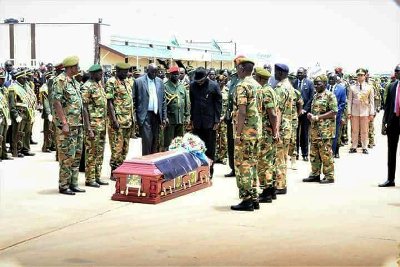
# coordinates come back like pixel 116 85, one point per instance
pixel 214 43
pixel 174 41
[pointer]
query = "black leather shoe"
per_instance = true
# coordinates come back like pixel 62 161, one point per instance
pixel 7 158
pixel 256 205
pixel 273 192
pixel 297 157
pixel 353 150
pixel 265 196
pixel 282 191
pixel 365 151
pixel 245 205
pixel 28 154
pixel 337 156
pixel 66 191
pixel 101 182
pixel 46 150
pixel 305 158
pixel 33 142
pixel 311 179
pixel 327 181
pixel 231 174
pixel 387 184
pixel 52 148
pixel 92 184
pixel 77 189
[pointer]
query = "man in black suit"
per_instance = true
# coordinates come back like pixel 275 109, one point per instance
pixel 391 121
pixel 205 110
pixel 151 108
pixel 306 88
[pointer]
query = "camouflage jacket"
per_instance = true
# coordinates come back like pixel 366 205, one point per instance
pixel 4 108
pixel 94 97
pixel 297 100
pixel 225 96
pixel 246 94
pixel 67 91
pixel 322 103
pixel 121 94
pixel 177 99
pixel 266 99
pixel 284 92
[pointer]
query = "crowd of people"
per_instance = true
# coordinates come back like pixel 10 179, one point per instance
pixel 247 117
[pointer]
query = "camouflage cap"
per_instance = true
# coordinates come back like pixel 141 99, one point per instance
pixel 321 78
pixel 70 61
pixel 122 66
pixel 95 68
pixel 263 73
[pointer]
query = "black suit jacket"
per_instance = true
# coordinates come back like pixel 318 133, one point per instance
pixel 206 104
pixel 307 92
pixel 389 116
pixel 141 96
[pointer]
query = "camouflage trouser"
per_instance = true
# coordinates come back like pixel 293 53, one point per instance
pixel 292 143
pixel 172 131
pixel 55 138
pixel 94 153
pixel 3 133
pixel 119 144
pixel 69 155
pixel 321 154
pixel 371 133
pixel 266 162
pixel 246 169
pixel 221 152
pixel 48 134
pixel 280 163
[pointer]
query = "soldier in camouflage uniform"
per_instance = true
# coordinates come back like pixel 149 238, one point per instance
pixel 177 98
pixel 377 102
pixel 323 120
pixel 121 115
pixel 5 119
pixel 94 117
pixel 46 116
pixel 267 105
pixel 20 113
pixel 284 92
pixel 247 128
pixel 221 152
pixel 67 102
pixel 296 111
pixel 343 136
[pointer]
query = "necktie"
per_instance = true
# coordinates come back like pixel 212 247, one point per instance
pixel 397 103
pixel 360 87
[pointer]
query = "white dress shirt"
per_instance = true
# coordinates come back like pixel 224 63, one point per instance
pixel 153 101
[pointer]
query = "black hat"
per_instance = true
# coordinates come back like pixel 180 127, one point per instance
pixel 200 74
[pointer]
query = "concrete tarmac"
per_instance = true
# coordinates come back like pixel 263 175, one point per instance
pixel 349 223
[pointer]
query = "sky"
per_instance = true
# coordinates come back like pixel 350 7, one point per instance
pixel 344 33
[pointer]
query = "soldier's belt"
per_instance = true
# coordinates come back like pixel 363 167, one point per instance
pixel 21 105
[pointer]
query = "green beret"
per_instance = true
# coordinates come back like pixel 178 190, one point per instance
pixel 244 60
pixel 262 72
pixel 122 66
pixel 95 68
pixel 70 61
pixel 321 78
pixel 360 71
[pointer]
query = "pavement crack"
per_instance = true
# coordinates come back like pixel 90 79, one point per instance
pixel 62 227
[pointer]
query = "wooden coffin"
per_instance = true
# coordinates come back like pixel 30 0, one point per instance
pixel 139 180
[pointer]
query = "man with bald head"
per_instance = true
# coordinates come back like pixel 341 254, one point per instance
pixel 151 108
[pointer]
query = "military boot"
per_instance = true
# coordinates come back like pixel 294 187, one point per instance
pixel 265 196
pixel 312 178
pixel 245 205
pixel 273 192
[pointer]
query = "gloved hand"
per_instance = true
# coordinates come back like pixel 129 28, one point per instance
pixel 18 119
pixel 50 117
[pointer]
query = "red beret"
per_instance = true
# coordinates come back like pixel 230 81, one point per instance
pixel 173 69
pixel 236 59
pixel 339 69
